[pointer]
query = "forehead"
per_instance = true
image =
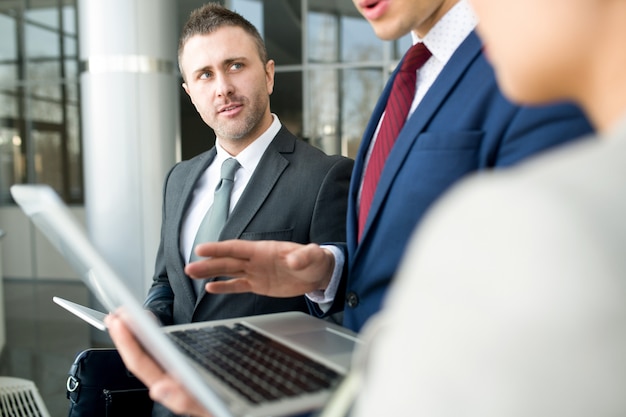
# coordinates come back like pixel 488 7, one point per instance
pixel 215 47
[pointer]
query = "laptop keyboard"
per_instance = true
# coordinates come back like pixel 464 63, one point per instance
pixel 256 366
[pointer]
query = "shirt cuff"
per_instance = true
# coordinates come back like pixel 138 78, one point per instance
pixel 326 297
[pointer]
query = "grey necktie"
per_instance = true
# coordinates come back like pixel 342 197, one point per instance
pixel 216 215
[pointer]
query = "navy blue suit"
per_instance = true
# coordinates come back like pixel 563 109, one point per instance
pixel 463 124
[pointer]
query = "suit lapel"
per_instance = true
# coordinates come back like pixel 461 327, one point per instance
pixel 359 165
pixel 418 122
pixel 187 195
pixel 268 171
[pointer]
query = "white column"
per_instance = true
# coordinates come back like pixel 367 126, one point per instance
pixel 3 324
pixel 130 127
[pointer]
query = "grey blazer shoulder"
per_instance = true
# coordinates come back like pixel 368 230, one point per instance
pixel 291 191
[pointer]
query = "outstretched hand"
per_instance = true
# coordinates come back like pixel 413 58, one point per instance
pixel 272 268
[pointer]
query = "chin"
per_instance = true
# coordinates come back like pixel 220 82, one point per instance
pixel 387 32
pixel 384 35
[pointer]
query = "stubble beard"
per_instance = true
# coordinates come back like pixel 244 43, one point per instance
pixel 237 130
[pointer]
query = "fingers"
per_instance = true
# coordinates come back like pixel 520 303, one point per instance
pixel 231 286
pixel 224 258
pixel 213 267
pixel 163 388
pixel 138 362
pixel 271 268
pixel 304 256
pixel 234 248
pixel 173 396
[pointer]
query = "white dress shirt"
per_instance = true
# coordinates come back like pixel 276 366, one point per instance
pixel 205 186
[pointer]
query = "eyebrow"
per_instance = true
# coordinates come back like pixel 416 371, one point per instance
pixel 225 62
pixel 234 59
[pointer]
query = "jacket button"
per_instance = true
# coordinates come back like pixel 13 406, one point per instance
pixel 352 299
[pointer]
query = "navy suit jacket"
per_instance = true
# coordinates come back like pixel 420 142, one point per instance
pixel 462 125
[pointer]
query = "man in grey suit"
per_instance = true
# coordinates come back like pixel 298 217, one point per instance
pixel 284 188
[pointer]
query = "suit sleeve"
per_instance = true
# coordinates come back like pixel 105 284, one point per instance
pixel 533 130
pixel 160 298
pixel 329 219
pixel 328 223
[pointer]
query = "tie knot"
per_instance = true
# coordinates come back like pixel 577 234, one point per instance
pixel 229 167
pixel 415 57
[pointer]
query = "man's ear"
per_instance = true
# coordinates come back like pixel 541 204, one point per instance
pixel 269 75
pixel 186 89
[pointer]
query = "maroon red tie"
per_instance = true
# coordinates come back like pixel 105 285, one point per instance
pixel 396 111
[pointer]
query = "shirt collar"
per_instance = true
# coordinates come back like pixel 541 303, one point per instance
pixel 251 155
pixel 449 32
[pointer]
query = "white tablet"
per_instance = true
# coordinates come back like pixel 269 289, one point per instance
pixel 91 316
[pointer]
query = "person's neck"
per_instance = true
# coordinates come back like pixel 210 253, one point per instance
pixel 604 97
pixel 423 28
pixel 605 105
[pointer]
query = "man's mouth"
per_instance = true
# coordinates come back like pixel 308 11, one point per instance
pixel 373 9
pixel 368 4
pixel 228 108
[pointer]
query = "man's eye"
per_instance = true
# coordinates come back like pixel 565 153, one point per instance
pixel 236 66
pixel 205 75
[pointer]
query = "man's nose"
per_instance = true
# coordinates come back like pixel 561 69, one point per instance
pixel 224 85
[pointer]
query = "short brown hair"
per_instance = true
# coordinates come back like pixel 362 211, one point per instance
pixel 209 18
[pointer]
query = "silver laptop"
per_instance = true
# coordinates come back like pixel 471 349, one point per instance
pixel 315 352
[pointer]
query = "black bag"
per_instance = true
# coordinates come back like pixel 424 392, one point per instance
pixel 99 385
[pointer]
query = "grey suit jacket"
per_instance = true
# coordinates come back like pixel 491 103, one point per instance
pixel 297 193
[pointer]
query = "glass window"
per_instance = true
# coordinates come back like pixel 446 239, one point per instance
pixel 286 101
pixel 346 67
pixel 45 17
pixel 48 157
pixel 322 42
pixel 8 42
pixel 39 100
pixel 323 111
pixel 251 10
pixel 8 67
pixel 41 42
pixel 401 46
pixel 45 110
pixel 74 153
pixel 359 43
pixel 8 95
pixel 71 76
pixel 360 89
pixel 283 31
pixel 68 14
pixel 12 160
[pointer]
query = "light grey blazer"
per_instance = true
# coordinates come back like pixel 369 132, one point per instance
pixel 515 288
